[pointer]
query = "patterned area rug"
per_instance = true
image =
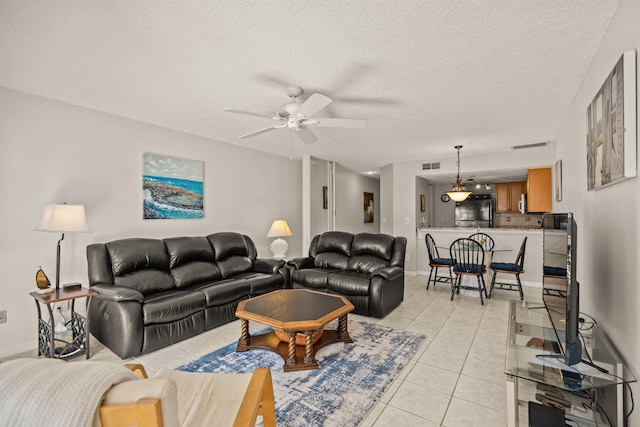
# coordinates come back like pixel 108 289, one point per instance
pixel 351 378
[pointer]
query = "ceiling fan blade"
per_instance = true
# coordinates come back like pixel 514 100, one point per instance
pixel 249 113
pixel 273 81
pixel 371 100
pixel 337 123
pixel 313 104
pixel 306 135
pixel 258 132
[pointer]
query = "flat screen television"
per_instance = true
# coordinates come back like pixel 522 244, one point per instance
pixel 560 289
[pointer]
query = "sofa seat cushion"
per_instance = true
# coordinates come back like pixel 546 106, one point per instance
pixel 349 283
pixel 263 283
pixel 311 278
pixel 164 307
pixel 225 291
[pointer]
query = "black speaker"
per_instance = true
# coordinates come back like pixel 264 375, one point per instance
pixel 545 416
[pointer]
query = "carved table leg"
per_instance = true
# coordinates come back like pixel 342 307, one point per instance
pixel 244 336
pixel 309 357
pixel 291 360
pixel 342 327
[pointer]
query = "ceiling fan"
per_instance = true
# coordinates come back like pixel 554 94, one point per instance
pixel 298 117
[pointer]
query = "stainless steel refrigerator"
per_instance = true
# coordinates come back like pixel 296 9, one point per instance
pixel 475 211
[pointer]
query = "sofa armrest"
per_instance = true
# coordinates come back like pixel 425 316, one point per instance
pixel 129 398
pixel 388 273
pixel 117 293
pixel 267 266
pixel 300 263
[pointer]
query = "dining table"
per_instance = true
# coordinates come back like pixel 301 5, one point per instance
pixel 488 259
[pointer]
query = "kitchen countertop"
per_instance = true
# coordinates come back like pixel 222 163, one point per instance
pixel 532 230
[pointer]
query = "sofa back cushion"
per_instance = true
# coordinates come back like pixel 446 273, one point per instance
pixel 192 261
pixel 234 253
pixel 399 250
pixel 370 252
pixel 333 250
pixel 140 264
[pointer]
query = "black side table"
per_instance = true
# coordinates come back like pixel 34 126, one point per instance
pixel 79 324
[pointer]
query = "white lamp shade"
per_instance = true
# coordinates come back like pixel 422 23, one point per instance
pixel 279 228
pixel 63 219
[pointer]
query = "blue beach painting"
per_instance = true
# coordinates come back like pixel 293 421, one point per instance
pixel 172 187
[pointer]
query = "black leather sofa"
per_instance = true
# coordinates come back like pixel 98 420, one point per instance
pixel 366 268
pixel 152 292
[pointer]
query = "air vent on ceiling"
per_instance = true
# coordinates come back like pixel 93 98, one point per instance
pixel 537 144
pixel 429 166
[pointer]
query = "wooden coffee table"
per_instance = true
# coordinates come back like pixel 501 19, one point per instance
pixel 297 315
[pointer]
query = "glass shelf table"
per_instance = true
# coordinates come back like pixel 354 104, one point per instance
pixel 589 396
pixel 79 325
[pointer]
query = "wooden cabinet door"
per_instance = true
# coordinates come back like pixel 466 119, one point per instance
pixel 508 196
pixel 539 190
pixel 502 197
pixel 516 189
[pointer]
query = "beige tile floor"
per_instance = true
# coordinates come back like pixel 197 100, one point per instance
pixel 455 379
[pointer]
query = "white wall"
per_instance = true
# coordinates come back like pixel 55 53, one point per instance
pixel 444 211
pixel 386 199
pixel 56 152
pixel 319 215
pixel 608 219
pixel 423 219
pixel 350 189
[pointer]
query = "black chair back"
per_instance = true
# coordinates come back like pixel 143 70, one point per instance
pixel 432 250
pixel 520 258
pixel 484 239
pixel 468 256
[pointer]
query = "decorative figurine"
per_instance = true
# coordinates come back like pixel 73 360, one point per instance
pixel 44 286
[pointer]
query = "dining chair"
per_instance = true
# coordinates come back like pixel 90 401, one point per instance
pixel 484 239
pixel 435 262
pixel 468 256
pixel 514 268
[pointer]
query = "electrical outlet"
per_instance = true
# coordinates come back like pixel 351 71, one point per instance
pixel 3 316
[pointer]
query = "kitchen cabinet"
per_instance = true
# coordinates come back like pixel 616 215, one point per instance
pixel 539 190
pixel 508 196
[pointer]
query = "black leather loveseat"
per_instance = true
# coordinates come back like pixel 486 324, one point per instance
pixel 366 268
pixel 152 292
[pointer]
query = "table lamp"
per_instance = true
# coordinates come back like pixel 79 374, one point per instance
pixel 63 219
pixel 279 229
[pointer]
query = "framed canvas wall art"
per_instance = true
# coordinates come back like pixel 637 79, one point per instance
pixel 368 207
pixel 172 187
pixel 611 127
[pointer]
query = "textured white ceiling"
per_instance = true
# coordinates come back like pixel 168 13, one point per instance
pixel 427 75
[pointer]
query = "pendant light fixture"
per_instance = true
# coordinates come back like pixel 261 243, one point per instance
pixel 458 194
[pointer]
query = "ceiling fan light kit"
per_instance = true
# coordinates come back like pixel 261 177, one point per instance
pixel 297 116
pixel 458 194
